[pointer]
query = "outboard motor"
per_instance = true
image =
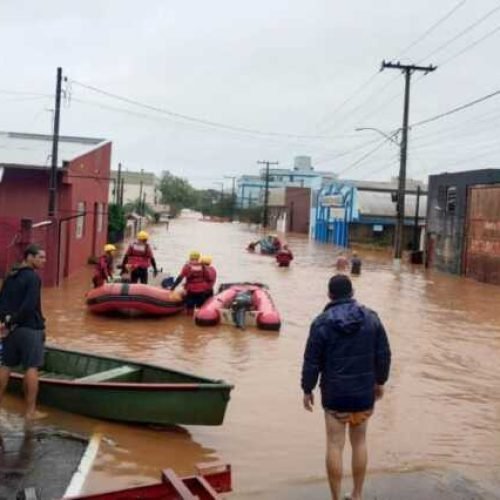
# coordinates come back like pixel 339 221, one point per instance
pixel 241 303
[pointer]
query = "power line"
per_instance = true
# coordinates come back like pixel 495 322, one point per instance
pixel 431 29
pixel 456 110
pixel 192 119
pixel 471 45
pixel 462 33
pixel 426 33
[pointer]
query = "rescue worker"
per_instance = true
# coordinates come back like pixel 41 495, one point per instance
pixel 196 284
pixel 355 264
pixel 139 257
pixel 104 267
pixel 210 273
pixel 284 256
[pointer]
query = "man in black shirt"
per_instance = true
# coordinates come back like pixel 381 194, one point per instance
pixel 22 325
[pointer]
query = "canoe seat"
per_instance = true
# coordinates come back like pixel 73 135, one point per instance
pixel 111 374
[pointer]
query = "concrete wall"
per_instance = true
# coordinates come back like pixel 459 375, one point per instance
pixel 445 233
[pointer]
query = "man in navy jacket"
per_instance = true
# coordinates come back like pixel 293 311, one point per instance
pixel 22 326
pixel 348 347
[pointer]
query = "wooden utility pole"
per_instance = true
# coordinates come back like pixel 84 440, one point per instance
pixel 265 217
pixel 416 231
pixel 55 147
pixel 118 184
pixel 233 194
pixel 407 69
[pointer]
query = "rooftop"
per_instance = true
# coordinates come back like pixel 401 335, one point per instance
pixel 36 149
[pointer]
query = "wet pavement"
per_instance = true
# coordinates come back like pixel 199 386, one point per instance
pixel 40 458
pixel 436 430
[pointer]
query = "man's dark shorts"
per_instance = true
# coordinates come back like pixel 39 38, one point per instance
pixel 23 347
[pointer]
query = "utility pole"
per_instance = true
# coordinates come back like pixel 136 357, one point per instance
pixel 407 69
pixel 55 147
pixel 265 218
pixel 416 238
pixel 118 184
pixel 233 194
pixel 140 192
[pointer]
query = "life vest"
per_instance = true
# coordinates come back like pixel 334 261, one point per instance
pixel 210 276
pixel 196 278
pixel 284 257
pixel 139 255
pixel 103 270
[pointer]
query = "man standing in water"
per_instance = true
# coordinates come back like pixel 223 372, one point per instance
pixel 348 346
pixel 22 326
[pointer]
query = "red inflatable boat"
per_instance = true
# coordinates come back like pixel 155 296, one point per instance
pixel 134 299
pixel 240 304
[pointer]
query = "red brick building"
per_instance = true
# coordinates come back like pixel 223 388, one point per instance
pixel 79 228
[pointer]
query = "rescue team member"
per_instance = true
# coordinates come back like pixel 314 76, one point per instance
pixel 349 349
pixel 284 256
pixel 139 257
pixel 196 277
pixel 22 326
pixel 210 273
pixel 104 267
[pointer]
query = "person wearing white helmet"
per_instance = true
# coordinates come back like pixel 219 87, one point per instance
pixel 104 267
pixel 138 258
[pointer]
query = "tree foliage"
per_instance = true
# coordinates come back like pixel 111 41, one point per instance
pixel 177 193
pixel 116 222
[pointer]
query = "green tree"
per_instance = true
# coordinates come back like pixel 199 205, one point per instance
pixel 177 193
pixel 116 222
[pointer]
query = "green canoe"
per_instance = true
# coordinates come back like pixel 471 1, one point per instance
pixel 118 389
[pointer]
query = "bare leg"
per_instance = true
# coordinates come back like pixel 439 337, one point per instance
pixel 357 435
pixel 335 440
pixel 4 379
pixel 30 386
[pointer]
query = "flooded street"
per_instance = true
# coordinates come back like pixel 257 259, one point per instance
pixel 441 411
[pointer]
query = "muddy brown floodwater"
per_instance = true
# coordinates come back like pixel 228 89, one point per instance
pixel 441 412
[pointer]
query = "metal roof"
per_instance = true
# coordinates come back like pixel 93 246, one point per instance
pixel 372 203
pixel 36 149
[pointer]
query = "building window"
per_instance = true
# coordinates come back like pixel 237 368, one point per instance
pixel 451 199
pixel 100 216
pixel 80 221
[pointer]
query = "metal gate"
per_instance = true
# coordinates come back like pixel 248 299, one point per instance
pixel 482 249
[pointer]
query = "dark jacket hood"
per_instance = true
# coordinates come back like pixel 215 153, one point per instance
pixel 345 315
pixel 18 269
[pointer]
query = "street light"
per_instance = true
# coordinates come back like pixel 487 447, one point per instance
pixel 400 207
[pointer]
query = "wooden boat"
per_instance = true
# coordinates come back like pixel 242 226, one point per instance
pixel 122 390
pixel 209 481
pixel 240 304
pixel 134 299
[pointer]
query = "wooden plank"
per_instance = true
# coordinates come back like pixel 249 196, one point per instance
pixel 110 374
pixel 170 477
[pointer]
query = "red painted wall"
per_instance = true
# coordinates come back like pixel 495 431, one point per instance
pixel 24 194
pixel 88 180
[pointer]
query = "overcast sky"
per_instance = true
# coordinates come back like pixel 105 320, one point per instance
pixel 280 66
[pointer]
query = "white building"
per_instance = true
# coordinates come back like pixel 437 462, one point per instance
pixel 135 183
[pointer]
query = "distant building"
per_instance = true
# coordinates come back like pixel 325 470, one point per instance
pixel 352 211
pixel 463 224
pixel 289 209
pixel 250 190
pixel 132 187
pixel 79 228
